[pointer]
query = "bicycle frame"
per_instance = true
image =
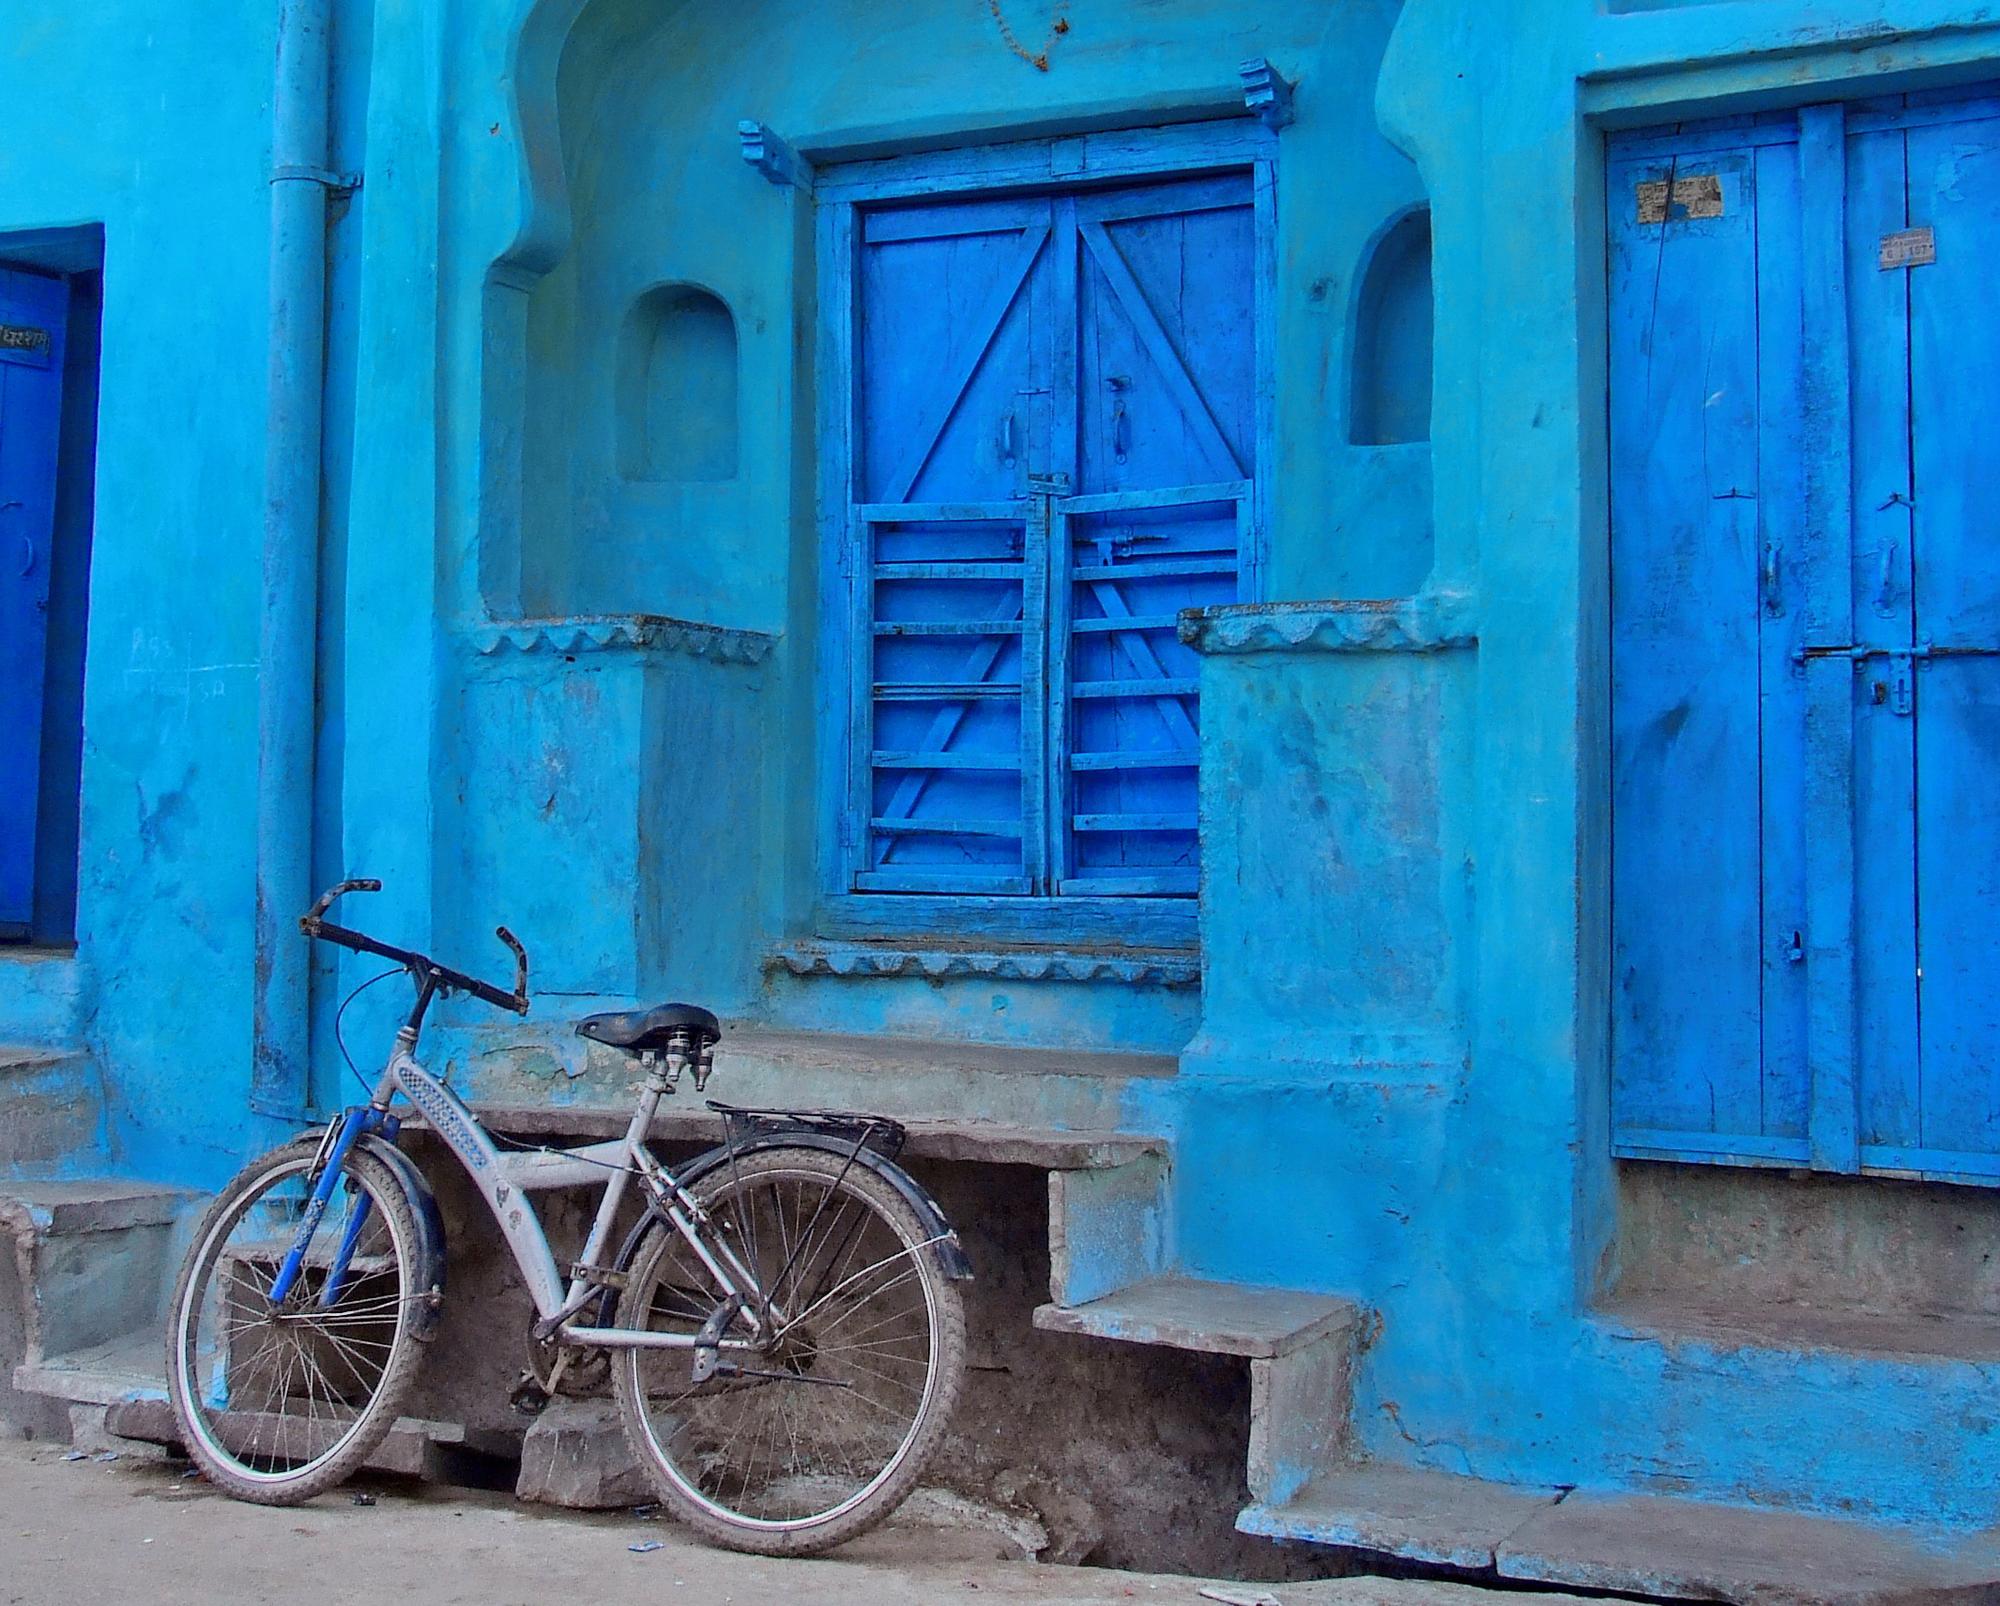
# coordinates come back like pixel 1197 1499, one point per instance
pixel 504 1180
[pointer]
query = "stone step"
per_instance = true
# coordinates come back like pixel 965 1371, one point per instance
pixel 1216 1318
pixel 415 1447
pixel 1636 1544
pixel 916 1080
pixel 132 1366
pixel 1301 1349
pixel 1402 1511
pixel 94 1258
pixel 984 1142
pixel 51 1106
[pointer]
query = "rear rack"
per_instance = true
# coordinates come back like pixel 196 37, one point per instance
pixel 877 1132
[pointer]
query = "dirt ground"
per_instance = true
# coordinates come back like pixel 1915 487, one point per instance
pixel 89 1532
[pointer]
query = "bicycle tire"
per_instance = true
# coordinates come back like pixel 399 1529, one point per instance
pixel 820 1485
pixel 241 1421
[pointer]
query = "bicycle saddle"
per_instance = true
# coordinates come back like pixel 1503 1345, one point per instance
pixel 648 1031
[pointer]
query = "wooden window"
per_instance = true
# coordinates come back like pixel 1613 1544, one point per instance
pixel 1046 433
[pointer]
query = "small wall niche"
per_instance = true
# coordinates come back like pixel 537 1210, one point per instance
pixel 677 387
pixel 1391 399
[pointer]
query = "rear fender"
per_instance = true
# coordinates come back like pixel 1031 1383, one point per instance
pixel 950 1253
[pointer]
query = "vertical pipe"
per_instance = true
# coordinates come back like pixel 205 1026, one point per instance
pixel 288 628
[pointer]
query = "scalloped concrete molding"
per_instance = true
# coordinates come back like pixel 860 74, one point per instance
pixel 621 632
pixel 838 959
pixel 1428 622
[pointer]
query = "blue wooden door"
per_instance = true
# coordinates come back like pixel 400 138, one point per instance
pixel 1806 639
pixel 1055 453
pixel 32 312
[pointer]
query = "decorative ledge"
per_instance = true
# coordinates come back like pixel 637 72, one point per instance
pixel 625 632
pixel 1427 622
pixel 1132 968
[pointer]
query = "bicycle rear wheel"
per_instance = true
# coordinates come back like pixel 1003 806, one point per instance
pixel 833 1417
pixel 279 1402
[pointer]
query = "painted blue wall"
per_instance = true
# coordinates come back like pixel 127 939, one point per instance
pixel 1394 1078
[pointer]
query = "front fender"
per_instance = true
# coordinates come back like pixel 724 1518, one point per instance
pixel 429 1273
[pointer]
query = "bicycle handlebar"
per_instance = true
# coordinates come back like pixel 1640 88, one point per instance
pixel 313 924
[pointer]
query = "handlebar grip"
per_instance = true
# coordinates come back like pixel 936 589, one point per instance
pixel 520 961
pixel 361 884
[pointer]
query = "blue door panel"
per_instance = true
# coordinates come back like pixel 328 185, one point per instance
pixel 1954 187
pixel 1692 610
pixel 1885 852
pixel 1727 607
pixel 1785 1091
pixel 33 310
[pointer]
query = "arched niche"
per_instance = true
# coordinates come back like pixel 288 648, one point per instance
pixel 676 380
pixel 1390 401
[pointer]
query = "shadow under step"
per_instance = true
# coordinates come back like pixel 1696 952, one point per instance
pixel 1300 1347
pixel 1637 1544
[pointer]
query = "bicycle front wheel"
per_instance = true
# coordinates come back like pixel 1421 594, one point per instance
pixel 827 1422
pixel 278 1401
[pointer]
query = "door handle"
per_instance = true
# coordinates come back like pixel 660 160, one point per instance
pixel 1885 580
pixel 1009 441
pixel 28 562
pixel 1774 597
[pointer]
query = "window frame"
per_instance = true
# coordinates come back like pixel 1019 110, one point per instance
pixel 1139 155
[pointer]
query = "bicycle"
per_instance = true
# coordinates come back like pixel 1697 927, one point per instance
pixel 784 1325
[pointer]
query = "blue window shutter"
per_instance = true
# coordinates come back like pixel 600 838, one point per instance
pixel 33 310
pixel 1166 414
pixel 954 388
pixel 1055 442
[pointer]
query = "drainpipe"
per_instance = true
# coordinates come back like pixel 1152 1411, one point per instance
pixel 287 642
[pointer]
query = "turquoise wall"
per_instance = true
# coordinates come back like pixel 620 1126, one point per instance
pixel 1393 1073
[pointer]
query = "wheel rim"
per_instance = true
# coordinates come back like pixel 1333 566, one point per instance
pixel 801 1450
pixel 275 1394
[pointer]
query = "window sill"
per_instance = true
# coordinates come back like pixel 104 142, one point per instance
pixel 1178 971
pixel 1065 925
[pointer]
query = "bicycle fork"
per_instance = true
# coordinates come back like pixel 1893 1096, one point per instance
pixel 327 1168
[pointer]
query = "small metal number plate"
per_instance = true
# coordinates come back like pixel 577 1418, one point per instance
pixel 1697 196
pixel 24 343
pixel 1907 248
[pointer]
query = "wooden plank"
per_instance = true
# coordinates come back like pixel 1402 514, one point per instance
pixel 1167 362
pixel 1686 605
pixel 1884 830
pixel 937 512
pixel 1829 790
pixel 1157 496
pixel 980 329
pixel 1780 534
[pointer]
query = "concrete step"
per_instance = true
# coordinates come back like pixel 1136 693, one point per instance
pixel 1829 1335
pixel 917 1080
pixel 1301 1348
pixel 83 1264
pixel 1636 1544
pixel 1216 1318
pixel 51 1108
pixel 1402 1511
pixel 983 1142
pixel 415 1447
pixel 94 1257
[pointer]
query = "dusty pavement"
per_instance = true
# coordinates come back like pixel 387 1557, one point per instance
pixel 125 1533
